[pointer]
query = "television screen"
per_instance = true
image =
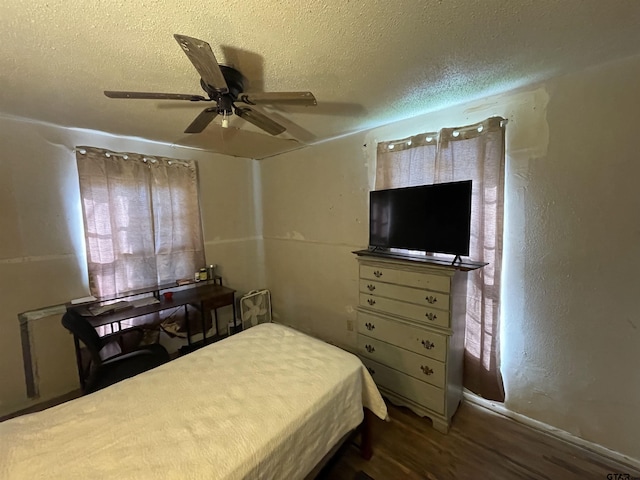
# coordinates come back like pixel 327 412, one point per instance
pixel 432 218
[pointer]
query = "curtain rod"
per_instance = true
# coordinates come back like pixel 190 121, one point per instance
pixel 430 137
pixel 107 153
pixel 125 156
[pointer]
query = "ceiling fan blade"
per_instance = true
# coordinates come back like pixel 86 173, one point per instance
pixel 260 120
pixel 283 98
pixel 156 96
pixel 202 120
pixel 202 57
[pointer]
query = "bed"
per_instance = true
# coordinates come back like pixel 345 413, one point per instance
pixel 269 402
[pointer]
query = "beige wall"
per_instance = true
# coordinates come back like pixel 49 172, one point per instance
pixel 570 331
pixel 315 215
pixel 42 260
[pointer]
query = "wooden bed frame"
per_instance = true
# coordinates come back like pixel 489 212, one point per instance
pixel 366 444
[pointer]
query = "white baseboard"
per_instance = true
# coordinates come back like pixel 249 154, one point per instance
pixel 549 430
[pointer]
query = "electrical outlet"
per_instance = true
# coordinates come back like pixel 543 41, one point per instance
pixel 350 325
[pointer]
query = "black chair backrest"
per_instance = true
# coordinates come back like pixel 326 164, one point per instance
pixel 84 331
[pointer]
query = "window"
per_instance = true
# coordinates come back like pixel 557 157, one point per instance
pixel 141 220
pixel 477 153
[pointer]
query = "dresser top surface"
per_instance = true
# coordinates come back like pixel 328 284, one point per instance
pixel 463 265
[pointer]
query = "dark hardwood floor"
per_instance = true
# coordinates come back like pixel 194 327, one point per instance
pixel 480 445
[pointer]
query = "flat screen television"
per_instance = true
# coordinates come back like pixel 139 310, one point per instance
pixel 431 218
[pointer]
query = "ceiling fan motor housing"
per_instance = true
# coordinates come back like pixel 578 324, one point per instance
pixel 235 82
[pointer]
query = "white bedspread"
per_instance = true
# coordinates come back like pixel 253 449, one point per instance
pixel 267 403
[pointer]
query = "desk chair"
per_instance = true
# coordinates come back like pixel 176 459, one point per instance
pixel 104 370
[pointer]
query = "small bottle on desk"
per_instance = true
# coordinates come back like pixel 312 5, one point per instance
pixel 203 274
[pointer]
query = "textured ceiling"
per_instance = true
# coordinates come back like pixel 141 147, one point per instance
pixel 368 63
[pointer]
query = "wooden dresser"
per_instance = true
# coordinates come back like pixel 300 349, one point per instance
pixel 411 322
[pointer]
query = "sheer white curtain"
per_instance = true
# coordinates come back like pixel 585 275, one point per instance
pixel 477 153
pixel 141 219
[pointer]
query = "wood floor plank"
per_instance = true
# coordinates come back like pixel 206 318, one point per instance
pixel 480 444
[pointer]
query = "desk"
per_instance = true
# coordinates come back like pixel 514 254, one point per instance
pixel 205 298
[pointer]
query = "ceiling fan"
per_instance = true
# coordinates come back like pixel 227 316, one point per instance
pixel 223 85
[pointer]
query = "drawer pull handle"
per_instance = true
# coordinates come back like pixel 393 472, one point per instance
pixel 427 344
pixel 426 370
pixel 431 316
pixel 369 326
pixel 431 299
pixel 371 301
pixel 377 273
pixel 371 371
pixel 371 287
pixel 369 348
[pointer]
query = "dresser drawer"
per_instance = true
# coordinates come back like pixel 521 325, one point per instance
pixel 417 366
pixel 406 294
pixel 416 339
pixel 440 283
pixel 422 393
pixel 418 313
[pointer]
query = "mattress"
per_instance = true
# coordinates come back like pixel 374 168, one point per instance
pixel 267 403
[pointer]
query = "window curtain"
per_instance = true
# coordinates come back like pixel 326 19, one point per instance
pixel 141 220
pixel 477 153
